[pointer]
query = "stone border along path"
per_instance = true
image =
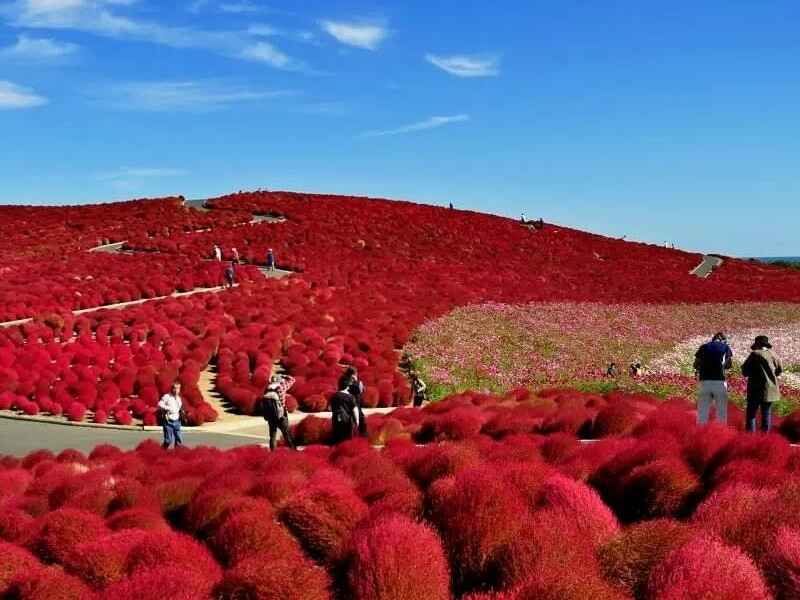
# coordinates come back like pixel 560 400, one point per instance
pixel 705 268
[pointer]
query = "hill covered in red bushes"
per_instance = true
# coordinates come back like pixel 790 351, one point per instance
pixel 368 273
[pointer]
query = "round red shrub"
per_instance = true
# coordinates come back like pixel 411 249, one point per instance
pixel 49 584
pixel 629 557
pixel 396 557
pixel 14 563
pixel 165 581
pixel 707 568
pixel 322 518
pixel 279 579
pixel 137 518
pixel 76 412
pixel 313 430
pixel 782 564
pixel 159 548
pixel 61 531
pixel 618 418
pixel 661 488
pixel 103 561
pixel 248 534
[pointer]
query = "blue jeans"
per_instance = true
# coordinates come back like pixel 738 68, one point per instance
pixel 172 433
pixel 766 415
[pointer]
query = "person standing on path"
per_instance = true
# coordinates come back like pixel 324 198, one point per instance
pixel 418 389
pixel 170 406
pixel 270 260
pixel 230 275
pixel 350 381
pixel 235 255
pixel 217 253
pixel 273 407
pixel 344 415
pixel 711 362
pixel 762 369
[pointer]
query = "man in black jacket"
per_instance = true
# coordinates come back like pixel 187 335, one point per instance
pixel 711 362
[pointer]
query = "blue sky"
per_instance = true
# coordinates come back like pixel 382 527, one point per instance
pixel 663 121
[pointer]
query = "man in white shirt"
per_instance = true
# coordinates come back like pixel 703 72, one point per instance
pixel 217 253
pixel 170 406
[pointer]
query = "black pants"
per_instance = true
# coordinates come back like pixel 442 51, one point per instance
pixel 274 425
pixel 753 408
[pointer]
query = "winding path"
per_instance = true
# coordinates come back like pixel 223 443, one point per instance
pixel 705 268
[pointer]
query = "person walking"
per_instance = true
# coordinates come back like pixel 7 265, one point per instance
pixel 217 253
pixel 762 369
pixel 273 408
pixel 270 260
pixel 344 415
pixel 235 254
pixel 230 275
pixel 711 361
pixel 350 381
pixel 418 389
pixel 170 406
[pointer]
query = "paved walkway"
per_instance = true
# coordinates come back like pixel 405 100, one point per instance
pixel 705 268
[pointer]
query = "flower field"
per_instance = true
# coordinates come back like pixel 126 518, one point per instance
pixel 499 347
pixel 655 509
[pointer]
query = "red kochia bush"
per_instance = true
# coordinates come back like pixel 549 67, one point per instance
pixel 279 579
pixel 707 568
pixel 14 562
pixel 479 515
pixel 582 505
pixel 61 531
pixel 661 488
pixel 782 564
pixel 396 557
pixel 629 557
pixel 104 561
pixel 159 548
pixel 49 584
pixel 253 534
pixel 158 583
pixel 322 518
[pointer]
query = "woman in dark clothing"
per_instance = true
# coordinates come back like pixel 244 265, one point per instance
pixel 344 409
pixel 349 381
pixel 762 369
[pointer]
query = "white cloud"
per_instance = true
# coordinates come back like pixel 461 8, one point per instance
pixel 102 17
pixel 141 173
pixel 263 30
pixel 431 123
pixel 359 34
pixel 267 53
pixel 239 7
pixel 180 96
pixel 38 49
pixel 463 65
pixel 13 96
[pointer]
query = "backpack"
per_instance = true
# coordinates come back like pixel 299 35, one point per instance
pixel 273 404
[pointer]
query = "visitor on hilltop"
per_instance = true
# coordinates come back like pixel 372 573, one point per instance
pixel 170 407
pixel 418 389
pixel 230 275
pixel 235 254
pixel 451 206
pixel 273 409
pixel 762 369
pixel 711 362
pixel 538 224
pixel 350 381
pixel 344 415
pixel 522 218
pixel 217 253
pixel 270 260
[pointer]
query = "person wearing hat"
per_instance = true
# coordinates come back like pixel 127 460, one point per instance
pixel 711 362
pixel 273 409
pixel 762 369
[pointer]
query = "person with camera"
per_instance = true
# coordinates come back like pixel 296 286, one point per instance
pixel 273 408
pixel 170 407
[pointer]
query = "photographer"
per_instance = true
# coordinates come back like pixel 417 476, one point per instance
pixel 273 408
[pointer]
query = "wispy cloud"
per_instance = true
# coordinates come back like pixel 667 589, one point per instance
pixel 360 34
pixel 103 18
pixel 183 96
pixel 31 49
pixel 13 96
pixel 464 65
pixel 431 123
pixel 133 178
pixel 267 53
pixel 239 7
pixel 141 173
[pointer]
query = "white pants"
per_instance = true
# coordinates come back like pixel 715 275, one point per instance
pixel 716 392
